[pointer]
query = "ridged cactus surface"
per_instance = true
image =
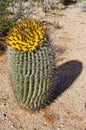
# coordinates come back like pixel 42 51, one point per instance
pixel 32 72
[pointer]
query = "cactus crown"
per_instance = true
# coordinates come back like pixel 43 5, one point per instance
pixel 27 35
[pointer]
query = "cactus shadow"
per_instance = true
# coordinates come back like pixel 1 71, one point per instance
pixel 66 74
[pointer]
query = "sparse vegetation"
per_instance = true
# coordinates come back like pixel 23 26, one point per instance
pixel 3 5
pixel 5 23
pixel 5 26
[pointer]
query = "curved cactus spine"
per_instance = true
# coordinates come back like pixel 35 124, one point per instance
pixel 31 71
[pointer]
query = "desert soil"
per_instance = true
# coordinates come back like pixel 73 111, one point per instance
pixel 68 110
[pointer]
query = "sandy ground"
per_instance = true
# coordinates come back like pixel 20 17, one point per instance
pixel 68 108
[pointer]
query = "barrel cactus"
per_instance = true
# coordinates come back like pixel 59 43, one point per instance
pixel 31 63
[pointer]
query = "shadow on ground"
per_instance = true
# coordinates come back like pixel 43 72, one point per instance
pixel 66 74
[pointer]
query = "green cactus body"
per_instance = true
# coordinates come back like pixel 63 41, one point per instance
pixel 32 74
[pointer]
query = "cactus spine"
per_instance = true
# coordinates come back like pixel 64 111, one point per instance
pixel 31 72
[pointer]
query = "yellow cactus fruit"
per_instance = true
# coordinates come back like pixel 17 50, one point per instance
pixel 27 35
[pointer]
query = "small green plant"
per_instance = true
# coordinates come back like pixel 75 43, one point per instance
pixel 5 23
pixel 4 28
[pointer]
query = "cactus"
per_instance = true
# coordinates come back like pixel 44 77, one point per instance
pixel 31 61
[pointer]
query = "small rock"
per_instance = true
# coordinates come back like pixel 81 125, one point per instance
pixel 58 128
pixel 61 6
pixel 4 115
pixel 85 105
